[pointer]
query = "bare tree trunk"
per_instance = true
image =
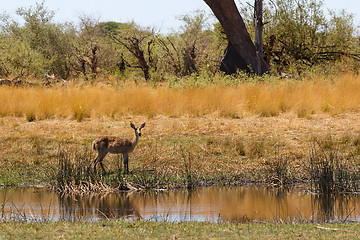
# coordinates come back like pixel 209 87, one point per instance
pixel 259 27
pixel 238 36
pixel 189 57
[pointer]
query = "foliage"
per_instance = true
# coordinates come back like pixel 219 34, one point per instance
pixel 298 37
pixel 36 47
pixel 137 41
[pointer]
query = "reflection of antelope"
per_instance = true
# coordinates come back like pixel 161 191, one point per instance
pixel 116 145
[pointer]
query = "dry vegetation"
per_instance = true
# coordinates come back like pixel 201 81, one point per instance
pixel 260 132
pixel 303 98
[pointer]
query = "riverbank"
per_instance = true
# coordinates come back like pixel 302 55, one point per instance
pixel 212 150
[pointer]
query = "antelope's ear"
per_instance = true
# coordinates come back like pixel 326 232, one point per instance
pixel 142 125
pixel 132 125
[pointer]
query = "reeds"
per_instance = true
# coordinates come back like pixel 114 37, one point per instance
pixel 74 174
pixel 278 171
pixel 330 172
pixel 262 98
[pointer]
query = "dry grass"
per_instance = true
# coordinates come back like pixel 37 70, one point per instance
pixel 265 99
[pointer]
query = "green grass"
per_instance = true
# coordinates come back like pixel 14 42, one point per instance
pixel 187 230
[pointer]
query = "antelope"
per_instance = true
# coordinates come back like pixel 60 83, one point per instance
pixel 115 145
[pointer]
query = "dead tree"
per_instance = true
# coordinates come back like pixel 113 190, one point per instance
pixel 258 19
pixel 133 45
pixel 172 53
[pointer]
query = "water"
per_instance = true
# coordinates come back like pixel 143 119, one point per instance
pixel 212 204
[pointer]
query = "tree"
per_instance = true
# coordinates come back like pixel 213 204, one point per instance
pixel 34 47
pixel 241 52
pixel 194 48
pixel 139 42
pixel 88 48
pixel 299 35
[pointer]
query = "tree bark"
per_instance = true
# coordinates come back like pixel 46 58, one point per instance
pixel 231 61
pixel 259 27
pixel 240 43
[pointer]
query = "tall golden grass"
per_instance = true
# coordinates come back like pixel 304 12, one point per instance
pixel 303 97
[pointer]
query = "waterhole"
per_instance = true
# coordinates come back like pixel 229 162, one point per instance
pixel 214 204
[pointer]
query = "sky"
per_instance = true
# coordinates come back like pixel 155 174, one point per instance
pixel 161 14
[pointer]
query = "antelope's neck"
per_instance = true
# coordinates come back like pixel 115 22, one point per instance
pixel 135 141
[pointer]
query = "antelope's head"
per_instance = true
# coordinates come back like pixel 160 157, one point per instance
pixel 137 129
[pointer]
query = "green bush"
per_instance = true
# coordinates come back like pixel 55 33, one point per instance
pixel 299 37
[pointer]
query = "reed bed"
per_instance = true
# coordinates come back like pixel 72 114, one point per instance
pixel 303 97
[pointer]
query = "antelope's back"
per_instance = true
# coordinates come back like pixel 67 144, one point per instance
pixel 100 143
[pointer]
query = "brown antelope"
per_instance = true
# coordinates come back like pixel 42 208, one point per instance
pixel 116 145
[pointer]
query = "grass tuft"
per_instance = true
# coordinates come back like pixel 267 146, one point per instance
pixel 278 170
pixel 330 172
pixel 30 117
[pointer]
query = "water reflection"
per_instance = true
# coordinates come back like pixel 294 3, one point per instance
pixel 206 204
pixel 335 208
pixel 95 207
